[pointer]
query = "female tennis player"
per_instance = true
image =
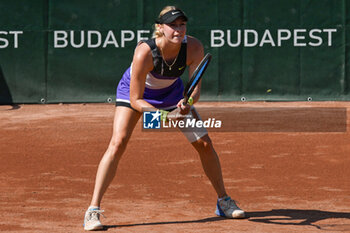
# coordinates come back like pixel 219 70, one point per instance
pixel 152 82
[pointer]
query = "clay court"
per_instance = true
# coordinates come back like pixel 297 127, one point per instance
pixel 285 181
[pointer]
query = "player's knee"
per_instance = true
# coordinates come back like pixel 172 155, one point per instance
pixel 204 144
pixel 118 145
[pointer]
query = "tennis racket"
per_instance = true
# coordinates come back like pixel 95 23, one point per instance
pixel 196 77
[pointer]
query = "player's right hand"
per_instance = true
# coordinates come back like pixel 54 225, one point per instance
pixel 184 108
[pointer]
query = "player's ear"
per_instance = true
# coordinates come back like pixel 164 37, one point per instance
pixel 161 29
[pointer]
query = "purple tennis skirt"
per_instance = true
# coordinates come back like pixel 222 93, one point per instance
pixel 159 98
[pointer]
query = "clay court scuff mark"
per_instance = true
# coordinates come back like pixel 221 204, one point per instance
pixel 300 218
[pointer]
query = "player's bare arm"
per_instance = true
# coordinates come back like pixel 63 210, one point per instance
pixel 142 64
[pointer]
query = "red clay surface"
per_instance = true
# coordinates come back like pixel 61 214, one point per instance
pixel 285 181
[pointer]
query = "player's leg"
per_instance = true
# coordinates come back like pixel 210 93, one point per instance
pixel 226 207
pixel 125 120
pixel 211 165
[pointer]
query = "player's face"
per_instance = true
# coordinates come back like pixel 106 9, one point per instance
pixel 175 31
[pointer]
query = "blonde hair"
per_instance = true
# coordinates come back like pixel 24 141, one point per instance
pixel 156 32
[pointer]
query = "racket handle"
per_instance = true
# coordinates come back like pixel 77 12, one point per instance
pixel 185 101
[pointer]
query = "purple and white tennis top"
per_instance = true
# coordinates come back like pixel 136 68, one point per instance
pixel 164 87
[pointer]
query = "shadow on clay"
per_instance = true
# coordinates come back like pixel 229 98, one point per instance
pixel 212 219
pixel 292 217
pixel 300 218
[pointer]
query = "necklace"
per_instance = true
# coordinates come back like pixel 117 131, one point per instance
pixel 165 60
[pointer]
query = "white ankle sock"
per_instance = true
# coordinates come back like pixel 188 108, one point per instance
pixel 221 198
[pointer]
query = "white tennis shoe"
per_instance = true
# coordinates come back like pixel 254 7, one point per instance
pixel 228 208
pixel 92 220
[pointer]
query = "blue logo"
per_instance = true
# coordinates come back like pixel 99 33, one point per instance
pixel 151 120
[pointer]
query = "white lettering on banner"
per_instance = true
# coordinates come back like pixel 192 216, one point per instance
pixel 269 40
pixel 95 39
pixel 313 36
pixel 140 36
pixel 82 39
pixel 60 36
pixel 329 31
pixel 297 37
pixel 246 38
pixel 219 38
pixel 124 38
pixel 238 39
pixel 5 42
pixel 98 40
pixel 280 37
pixel 251 38
pixel 110 39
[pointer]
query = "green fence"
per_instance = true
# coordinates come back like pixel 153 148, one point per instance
pixel 76 51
